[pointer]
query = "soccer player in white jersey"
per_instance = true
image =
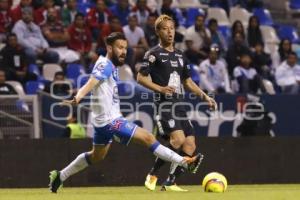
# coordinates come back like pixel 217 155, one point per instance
pixel 107 119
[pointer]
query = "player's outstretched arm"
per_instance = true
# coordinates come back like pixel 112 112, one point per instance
pixel 194 88
pixel 147 82
pixel 83 91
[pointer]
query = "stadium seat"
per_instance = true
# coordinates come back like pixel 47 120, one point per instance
pixel 17 86
pixel 241 14
pixel 219 14
pixel 264 16
pixel 195 74
pixel 84 8
pixel 269 34
pixel 32 87
pixel 191 15
pixel 294 4
pixel 125 73
pixel 190 4
pixel 74 70
pixel 49 71
pixel 288 32
pixel 225 31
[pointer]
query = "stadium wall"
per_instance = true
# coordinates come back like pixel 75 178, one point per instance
pixel 26 163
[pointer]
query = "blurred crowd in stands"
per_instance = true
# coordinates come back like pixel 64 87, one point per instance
pixel 233 46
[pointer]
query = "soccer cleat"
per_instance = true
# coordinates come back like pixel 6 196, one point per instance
pixel 194 162
pixel 174 188
pixel 55 181
pixel 150 182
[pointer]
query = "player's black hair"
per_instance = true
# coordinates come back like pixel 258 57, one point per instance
pixel 59 73
pixel 113 37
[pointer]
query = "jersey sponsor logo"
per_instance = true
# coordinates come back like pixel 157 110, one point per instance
pixel 164 60
pixel 178 55
pixel 174 63
pixel 163 54
pixel 171 123
pixel 152 58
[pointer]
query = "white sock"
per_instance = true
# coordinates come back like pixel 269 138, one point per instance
pixel 167 154
pixel 75 166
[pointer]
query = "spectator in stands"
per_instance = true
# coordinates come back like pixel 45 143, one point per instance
pixel 216 36
pixel 121 9
pixel 59 86
pixel 5 89
pixel 285 48
pixel 5 19
pixel 213 73
pixel 74 129
pixel 69 12
pixel 288 75
pixel 197 40
pixel 248 79
pixel 262 61
pixel 16 13
pixel 113 26
pixel 142 12
pixel 40 14
pixel 14 61
pixel 238 27
pixel 98 16
pixel 235 50
pixel 57 36
pixel 136 41
pixel 172 12
pixel 254 33
pixel 150 33
pixel 30 37
pixel 81 39
pixel 250 4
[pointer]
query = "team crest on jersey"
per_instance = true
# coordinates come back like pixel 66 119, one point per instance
pixel 171 123
pixel 152 58
pixel 180 61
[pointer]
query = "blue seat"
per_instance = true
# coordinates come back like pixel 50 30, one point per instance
pixel 84 7
pixel 191 15
pixel 32 87
pixel 74 70
pixel 34 69
pixel 264 16
pixel 194 74
pixel 288 32
pixel 225 31
pixel 295 4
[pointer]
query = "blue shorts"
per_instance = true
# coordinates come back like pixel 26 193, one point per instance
pixel 119 129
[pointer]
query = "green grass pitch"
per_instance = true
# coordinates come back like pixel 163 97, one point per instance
pixel 235 192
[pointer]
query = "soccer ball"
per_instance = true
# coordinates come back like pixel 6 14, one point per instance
pixel 214 182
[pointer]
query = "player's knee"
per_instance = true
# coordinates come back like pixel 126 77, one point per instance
pixel 149 139
pixel 177 142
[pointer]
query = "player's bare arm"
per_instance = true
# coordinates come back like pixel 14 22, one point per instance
pixel 194 88
pixel 147 82
pixel 83 91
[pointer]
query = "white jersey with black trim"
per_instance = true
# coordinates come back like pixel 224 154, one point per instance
pixel 105 102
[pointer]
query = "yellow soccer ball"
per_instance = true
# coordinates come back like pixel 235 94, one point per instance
pixel 214 182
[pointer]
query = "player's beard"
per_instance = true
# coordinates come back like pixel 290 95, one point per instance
pixel 116 61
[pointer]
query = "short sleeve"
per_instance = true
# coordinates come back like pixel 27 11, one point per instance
pixel 102 71
pixel 148 62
